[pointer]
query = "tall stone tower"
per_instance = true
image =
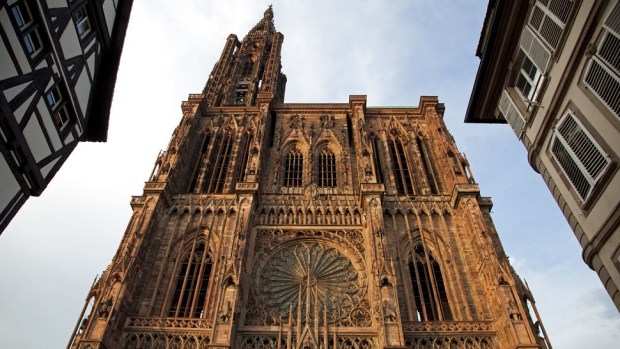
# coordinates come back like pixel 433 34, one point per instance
pixel 274 225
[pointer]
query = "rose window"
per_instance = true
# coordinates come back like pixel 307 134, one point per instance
pixel 313 276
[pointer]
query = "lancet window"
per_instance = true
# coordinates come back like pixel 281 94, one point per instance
pixel 217 168
pixel 429 293
pixel 192 283
pixel 400 167
pixel 293 168
pixel 244 154
pixel 427 163
pixel 202 162
pixel 326 168
pixel 247 68
pixel 377 159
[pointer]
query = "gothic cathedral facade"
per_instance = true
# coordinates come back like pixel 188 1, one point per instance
pixel 274 225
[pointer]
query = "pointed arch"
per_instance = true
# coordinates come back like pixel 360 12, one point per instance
pixel 430 298
pixel 219 160
pixel 244 154
pixel 192 282
pixel 428 166
pixel 326 167
pixel 201 163
pixel 293 167
pixel 375 143
pixel 400 167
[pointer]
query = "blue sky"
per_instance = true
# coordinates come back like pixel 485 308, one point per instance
pixel 392 52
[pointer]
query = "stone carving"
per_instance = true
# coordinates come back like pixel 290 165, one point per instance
pixel 310 274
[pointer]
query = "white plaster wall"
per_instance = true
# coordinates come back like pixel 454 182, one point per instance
pixel 56 3
pixel 9 187
pixel 82 91
pixel 7 69
pixel 36 140
pixel 50 127
pixel 109 11
pixel 70 42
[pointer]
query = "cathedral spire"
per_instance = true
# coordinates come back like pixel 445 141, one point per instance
pixel 265 25
pixel 248 67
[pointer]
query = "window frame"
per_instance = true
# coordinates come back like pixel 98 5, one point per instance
pixel 327 172
pixel 595 183
pixel 293 168
pixel 598 67
pixel 60 107
pixel 81 17
pixel 33 41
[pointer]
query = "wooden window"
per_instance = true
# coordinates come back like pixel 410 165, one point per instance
pixel 57 101
pixel 327 168
pixel 400 167
pixel 511 114
pixel 82 22
pixel 429 293
pixel 548 19
pixel 192 283
pixel 29 28
pixel 293 168
pixel 219 160
pixel 528 79
pixel 581 159
pixel 534 61
pixel 602 74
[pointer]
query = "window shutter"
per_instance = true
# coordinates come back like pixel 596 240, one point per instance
pixel 548 19
pixel 534 49
pixel 580 157
pixel 602 74
pixel 512 114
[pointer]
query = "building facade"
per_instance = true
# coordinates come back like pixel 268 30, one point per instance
pixel 273 225
pixel 551 69
pixel 58 65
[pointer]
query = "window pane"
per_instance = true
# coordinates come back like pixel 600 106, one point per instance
pixel 21 15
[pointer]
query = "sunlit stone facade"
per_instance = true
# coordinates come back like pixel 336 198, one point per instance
pixel 338 225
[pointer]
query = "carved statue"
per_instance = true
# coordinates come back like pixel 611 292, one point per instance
pixel 225 314
pixel 389 313
pixel 105 308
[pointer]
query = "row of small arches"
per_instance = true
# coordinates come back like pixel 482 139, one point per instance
pixel 309 216
pixel 475 342
pixel 166 341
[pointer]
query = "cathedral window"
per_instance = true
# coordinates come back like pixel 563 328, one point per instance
pixel 402 177
pixel 243 157
pixel 247 68
pixel 190 291
pixel 327 168
pixel 428 166
pixel 377 159
pixel 293 168
pixel 217 168
pixel 429 293
pixel 202 161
